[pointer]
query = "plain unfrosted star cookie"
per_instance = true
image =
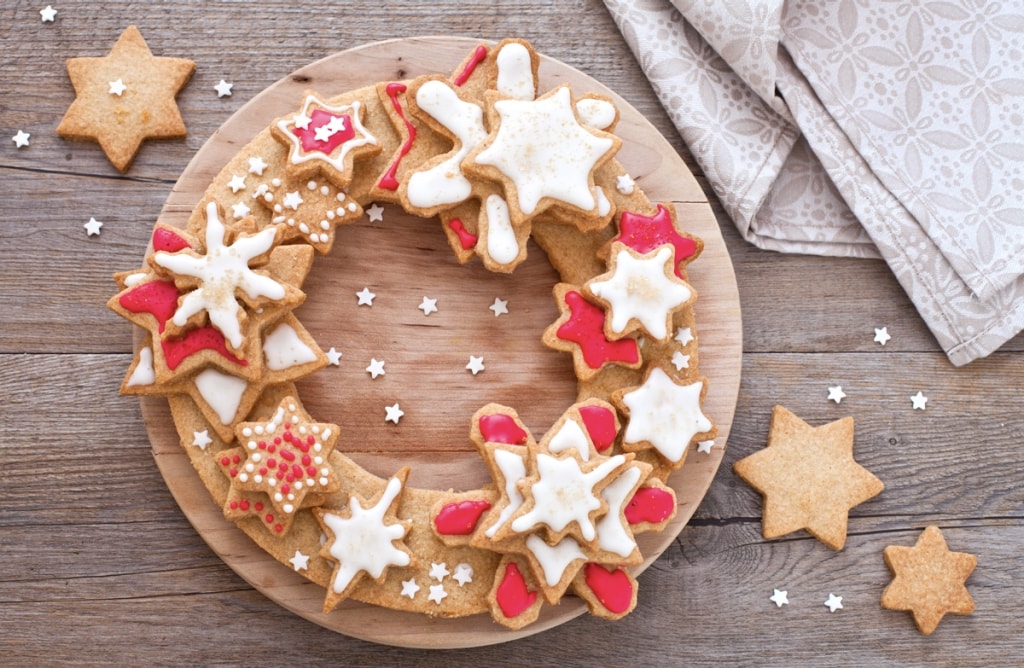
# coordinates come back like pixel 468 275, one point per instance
pixel 928 580
pixel 808 478
pixel 141 106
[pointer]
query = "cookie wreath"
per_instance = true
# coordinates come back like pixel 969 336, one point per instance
pixel 223 345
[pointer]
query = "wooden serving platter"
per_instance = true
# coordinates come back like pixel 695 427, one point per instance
pixel 402 259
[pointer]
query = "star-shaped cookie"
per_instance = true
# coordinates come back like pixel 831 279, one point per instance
pixel 928 580
pixel 143 109
pixel 808 478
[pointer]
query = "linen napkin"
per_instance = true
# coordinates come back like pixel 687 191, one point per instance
pixel 860 128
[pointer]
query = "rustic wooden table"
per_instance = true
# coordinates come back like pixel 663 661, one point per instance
pixel 98 564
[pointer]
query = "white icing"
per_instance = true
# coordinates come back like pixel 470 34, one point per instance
pixel 515 72
pixel 571 435
pixel 640 288
pixel 565 494
pixel 502 245
pixel 595 112
pixel 664 414
pixel 143 373
pixel 612 535
pixel 555 559
pixel 131 280
pixel 223 393
pixel 541 147
pixel 284 348
pixel 513 469
pixel 363 542
pixel 445 183
pixel 222 271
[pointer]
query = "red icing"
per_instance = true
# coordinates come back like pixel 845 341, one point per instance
pixel 160 299
pixel 501 428
pixel 460 519
pixel 600 424
pixel 650 504
pixel 478 57
pixel 389 181
pixel 168 241
pixel 645 233
pixel 512 596
pixel 320 118
pixel 586 328
pixel 466 238
pixel 613 588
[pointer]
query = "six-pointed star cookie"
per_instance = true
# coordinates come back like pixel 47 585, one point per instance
pixel 808 478
pixel 928 580
pixel 144 110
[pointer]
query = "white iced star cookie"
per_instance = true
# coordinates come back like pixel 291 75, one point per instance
pixel 640 292
pixel 365 540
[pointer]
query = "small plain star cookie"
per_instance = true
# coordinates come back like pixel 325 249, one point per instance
pixel 808 478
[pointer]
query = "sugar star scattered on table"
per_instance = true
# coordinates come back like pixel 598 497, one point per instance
pixel 117 88
pixel 882 335
pixel 476 364
pixel 365 297
pixel 919 401
pixel 834 602
pixel 393 413
pixel 333 356
pixel 376 368
pixel 500 306
pixel 928 580
pixel 428 306
pixel 21 139
pixel 92 228
pixel 375 213
pixel 836 394
pixel 779 598
pixel 48 14
pixel 299 561
pixel 201 439
pixel 223 88
pixel 808 478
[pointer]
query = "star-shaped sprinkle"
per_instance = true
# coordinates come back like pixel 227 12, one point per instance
pixel 439 571
pixel 500 307
pixel 21 139
pixel 680 361
pixel 364 539
pixel 705 446
pixel 684 336
pixel 121 123
pixel 299 561
pixel 428 306
pixel 117 87
pixel 292 200
pixel 240 210
pixel 882 335
pixel 375 213
pixel 48 14
pixel 640 291
pixel 365 297
pixel 376 367
pixel 928 580
pixel 808 478
pixel 919 401
pixel 333 356
pixel 236 183
pixel 779 598
pixel 257 165
pixel 463 574
pixel 409 588
pixel 834 602
pixel 92 228
pixel 437 594
pixel 624 183
pixel 836 393
pixel 201 439
pixel 223 88
pixel 393 413
pixel 476 364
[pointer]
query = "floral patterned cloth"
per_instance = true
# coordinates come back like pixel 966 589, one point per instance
pixel 863 128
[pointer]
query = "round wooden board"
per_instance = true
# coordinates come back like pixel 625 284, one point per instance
pixel 438 401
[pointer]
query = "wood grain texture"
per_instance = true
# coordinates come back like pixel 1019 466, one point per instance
pixel 99 565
